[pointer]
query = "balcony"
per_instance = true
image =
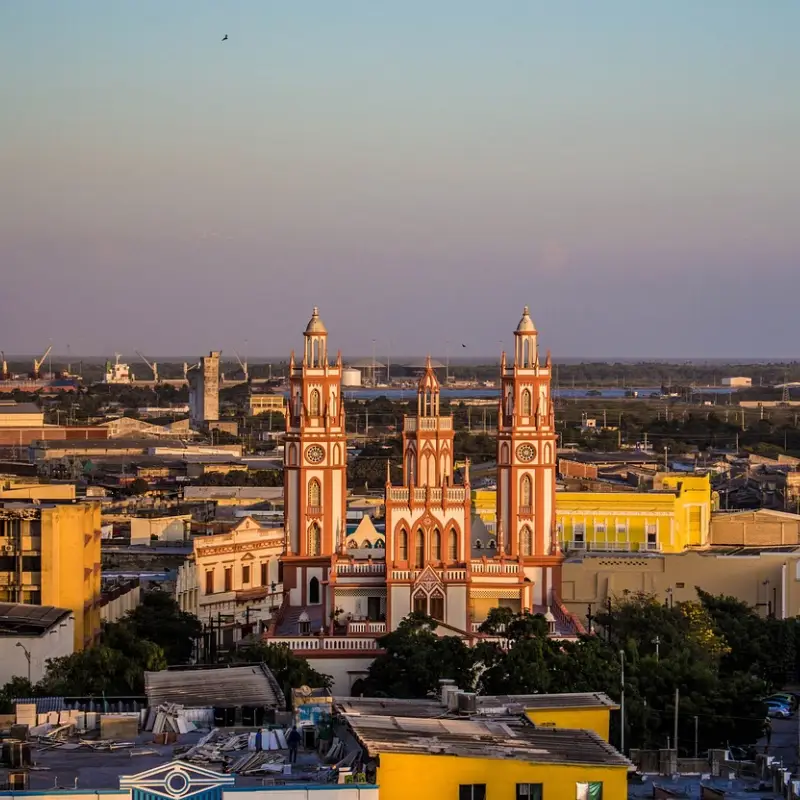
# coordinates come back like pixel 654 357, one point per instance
pixel 319 644
pixel 313 511
pixel 363 569
pixel 494 568
pixel 412 424
pixel 366 626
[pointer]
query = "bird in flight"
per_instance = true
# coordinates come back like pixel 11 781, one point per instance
pixel 463 345
pixel 225 38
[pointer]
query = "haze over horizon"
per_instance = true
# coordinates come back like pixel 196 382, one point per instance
pixel 419 171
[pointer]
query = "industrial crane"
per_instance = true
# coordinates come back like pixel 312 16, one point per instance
pixel 243 365
pixel 37 363
pixel 153 366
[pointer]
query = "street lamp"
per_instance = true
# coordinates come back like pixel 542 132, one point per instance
pixel 622 701
pixel 27 657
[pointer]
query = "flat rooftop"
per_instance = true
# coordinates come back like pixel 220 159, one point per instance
pixel 494 739
pixel 565 700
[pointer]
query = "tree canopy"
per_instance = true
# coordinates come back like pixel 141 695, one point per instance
pixel 719 654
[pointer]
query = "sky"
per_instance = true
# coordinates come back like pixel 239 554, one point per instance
pixel 419 170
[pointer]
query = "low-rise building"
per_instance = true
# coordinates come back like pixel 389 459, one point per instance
pixel 50 555
pixel 158 527
pixel 263 403
pixel 235 574
pixel 29 636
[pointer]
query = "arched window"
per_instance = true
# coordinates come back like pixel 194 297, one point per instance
pixel 526 541
pixel 314 403
pixel 436 546
pixel 419 550
pixel 380 544
pixel 525 491
pixel 292 455
pixel 411 475
pixel 366 545
pixel 452 546
pixel 313 591
pixel 352 544
pixel 337 455
pixel 403 546
pixel 478 544
pixel 526 352
pixel 314 539
pixel 492 544
pixel 504 454
pixel 526 402
pixel 421 603
pixel 436 605
pixel 314 493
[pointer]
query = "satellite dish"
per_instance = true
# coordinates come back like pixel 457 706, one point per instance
pixel 306 691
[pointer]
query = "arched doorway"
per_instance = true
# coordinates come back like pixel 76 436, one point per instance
pixel 313 591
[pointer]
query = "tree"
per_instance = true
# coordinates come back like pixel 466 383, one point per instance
pixel 415 659
pixel 139 486
pixel 16 687
pixel 158 619
pixel 290 671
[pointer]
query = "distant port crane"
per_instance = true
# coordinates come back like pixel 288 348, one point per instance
pixel 153 366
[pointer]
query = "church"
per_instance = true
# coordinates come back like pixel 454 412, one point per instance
pixel 429 562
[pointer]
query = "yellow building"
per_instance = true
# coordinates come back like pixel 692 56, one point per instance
pixel 50 555
pixel 262 403
pixel 38 491
pixel 481 759
pixel 675 515
pixel 672 517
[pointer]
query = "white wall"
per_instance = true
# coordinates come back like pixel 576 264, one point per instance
pixel 400 605
pixel 344 671
pixel 456 611
pixel 59 642
pixel 167 529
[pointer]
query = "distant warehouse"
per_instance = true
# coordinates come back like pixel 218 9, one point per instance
pixel 738 383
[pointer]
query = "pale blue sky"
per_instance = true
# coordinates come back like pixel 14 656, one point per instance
pixel 419 170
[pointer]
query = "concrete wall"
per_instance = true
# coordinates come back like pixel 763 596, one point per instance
pixel 344 671
pixel 39 491
pixel 54 643
pixel 165 529
pixel 755 528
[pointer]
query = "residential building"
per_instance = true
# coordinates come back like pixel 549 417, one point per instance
pixel 236 574
pixel 29 635
pixel 50 555
pixel 480 759
pixel 158 527
pixel 263 403
pixel 670 518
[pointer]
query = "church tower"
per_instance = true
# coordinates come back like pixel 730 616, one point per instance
pixel 526 467
pixel 428 519
pixel 315 470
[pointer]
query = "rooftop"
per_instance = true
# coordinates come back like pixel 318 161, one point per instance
pixel 250 685
pixel 497 739
pixel 496 703
pixel 20 408
pixel 17 619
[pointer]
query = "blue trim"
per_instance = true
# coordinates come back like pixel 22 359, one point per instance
pixel 306 787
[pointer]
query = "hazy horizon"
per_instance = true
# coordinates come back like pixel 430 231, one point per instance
pixel 420 171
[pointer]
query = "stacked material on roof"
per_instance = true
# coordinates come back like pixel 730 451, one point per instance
pixel 174 718
pixel 225 687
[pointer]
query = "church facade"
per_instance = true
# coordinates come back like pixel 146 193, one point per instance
pixel 429 562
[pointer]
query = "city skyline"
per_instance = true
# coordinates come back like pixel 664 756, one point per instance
pixel 420 173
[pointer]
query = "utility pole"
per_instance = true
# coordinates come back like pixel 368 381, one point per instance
pixel 695 735
pixel 657 643
pixel 622 702
pixel 677 700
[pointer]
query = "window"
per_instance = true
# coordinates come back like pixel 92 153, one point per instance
pixel 314 403
pixel 264 574
pixel 313 591
pixel 599 527
pixel 228 579
pixel 492 544
pixel 579 531
pixel 472 791
pixel 437 606
pixel 589 791
pixel 526 403
pixel 525 491
pixel 403 546
pixel 246 574
pixel 209 581
pixel 314 493
pixel 436 546
pixel 622 528
pixel 526 540
pixel 419 550
pixel 529 791
pixel 453 546
pixel 420 603
pixel 314 539
pixel 652 536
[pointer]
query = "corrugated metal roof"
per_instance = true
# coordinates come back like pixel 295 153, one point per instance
pixel 44 705
pixel 28 620
pixel 225 687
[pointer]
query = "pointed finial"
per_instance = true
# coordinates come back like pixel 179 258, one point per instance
pixel 388 471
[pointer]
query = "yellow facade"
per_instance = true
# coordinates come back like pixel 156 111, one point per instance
pixel 51 557
pixel 674 516
pixel 590 719
pixel 668 520
pixel 38 491
pixel 262 403
pixel 440 776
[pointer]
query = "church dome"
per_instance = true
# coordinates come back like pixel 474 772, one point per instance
pixel 526 323
pixel 315 324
